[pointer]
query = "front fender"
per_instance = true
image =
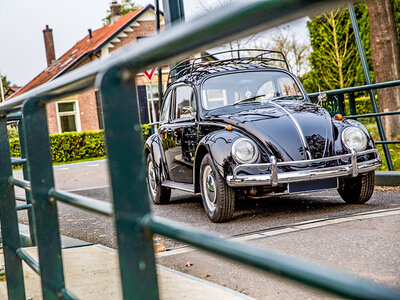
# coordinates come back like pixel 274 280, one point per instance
pixel 154 146
pixel 218 144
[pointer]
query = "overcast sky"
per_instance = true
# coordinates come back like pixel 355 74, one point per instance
pixel 22 53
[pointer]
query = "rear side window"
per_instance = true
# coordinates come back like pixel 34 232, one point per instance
pixel 185 106
pixel 166 108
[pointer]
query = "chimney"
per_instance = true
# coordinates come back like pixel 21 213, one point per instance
pixel 90 33
pixel 115 9
pixel 49 45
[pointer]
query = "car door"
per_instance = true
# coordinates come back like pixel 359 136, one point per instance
pixel 179 136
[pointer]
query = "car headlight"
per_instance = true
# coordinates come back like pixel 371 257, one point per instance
pixel 354 138
pixel 244 151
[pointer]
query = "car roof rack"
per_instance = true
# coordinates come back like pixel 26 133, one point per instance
pixel 239 59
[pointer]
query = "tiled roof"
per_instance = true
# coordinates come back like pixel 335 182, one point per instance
pixel 82 49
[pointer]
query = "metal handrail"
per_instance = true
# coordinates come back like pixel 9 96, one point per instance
pixel 114 76
pixel 376 115
pixel 361 88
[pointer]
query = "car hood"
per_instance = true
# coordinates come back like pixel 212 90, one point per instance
pixel 284 127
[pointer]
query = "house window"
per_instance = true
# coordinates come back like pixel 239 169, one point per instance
pixel 68 116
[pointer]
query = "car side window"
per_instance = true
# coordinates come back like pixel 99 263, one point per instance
pixel 185 103
pixel 166 108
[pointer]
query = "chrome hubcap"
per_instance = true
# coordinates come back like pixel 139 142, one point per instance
pixel 151 178
pixel 209 188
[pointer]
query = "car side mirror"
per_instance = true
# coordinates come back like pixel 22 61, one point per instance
pixel 322 97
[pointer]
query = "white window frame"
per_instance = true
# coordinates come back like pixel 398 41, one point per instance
pixel 69 113
pixel 149 108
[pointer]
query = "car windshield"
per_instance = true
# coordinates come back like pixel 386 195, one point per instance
pixel 237 88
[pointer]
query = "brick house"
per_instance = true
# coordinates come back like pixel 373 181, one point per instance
pixel 10 91
pixel 82 112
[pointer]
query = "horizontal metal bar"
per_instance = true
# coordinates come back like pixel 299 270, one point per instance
pixel 19 198
pixel 14 117
pixel 90 204
pixel 331 280
pixel 374 115
pixel 25 206
pixel 360 88
pixel 21 183
pixel 18 161
pixel 28 259
pixel 222 25
pixel 386 142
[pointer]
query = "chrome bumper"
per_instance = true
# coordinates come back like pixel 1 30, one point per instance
pixel 274 178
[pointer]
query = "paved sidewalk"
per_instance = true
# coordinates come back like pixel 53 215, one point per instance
pixel 91 272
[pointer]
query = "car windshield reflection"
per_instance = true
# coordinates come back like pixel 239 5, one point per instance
pixel 245 87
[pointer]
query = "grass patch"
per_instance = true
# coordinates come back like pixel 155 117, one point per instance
pixel 394 149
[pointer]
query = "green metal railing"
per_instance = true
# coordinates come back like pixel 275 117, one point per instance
pixel 130 209
pixel 336 104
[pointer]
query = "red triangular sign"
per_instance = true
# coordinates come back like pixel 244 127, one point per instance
pixel 149 74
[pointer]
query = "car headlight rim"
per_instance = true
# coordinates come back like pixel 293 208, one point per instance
pixel 239 156
pixel 354 138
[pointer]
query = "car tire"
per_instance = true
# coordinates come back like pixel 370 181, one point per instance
pixel 218 197
pixel 357 190
pixel 157 193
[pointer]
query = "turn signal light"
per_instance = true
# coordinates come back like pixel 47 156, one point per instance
pixel 339 117
pixel 229 127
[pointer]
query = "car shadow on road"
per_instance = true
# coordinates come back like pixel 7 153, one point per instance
pixel 302 205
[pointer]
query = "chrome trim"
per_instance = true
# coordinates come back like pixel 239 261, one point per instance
pixel 299 131
pixel 354 166
pixel 274 178
pixel 187 187
pixel 274 171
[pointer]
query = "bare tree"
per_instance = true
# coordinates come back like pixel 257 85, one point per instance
pixel 295 51
pixel 385 55
pixel 233 45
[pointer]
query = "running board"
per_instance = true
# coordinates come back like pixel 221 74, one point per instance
pixel 187 187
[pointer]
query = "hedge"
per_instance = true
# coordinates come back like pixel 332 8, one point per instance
pixel 70 146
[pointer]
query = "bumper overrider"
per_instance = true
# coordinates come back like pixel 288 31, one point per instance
pixel 274 178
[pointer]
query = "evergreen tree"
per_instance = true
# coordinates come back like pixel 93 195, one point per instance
pixel 6 84
pixel 334 59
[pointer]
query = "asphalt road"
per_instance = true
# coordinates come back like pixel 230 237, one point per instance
pixel 367 247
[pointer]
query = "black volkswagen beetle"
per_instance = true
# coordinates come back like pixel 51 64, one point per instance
pixel 243 128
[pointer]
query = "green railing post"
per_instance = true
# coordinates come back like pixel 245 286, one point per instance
pixel 25 170
pixel 128 182
pixel 38 152
pixel 368 81
pixel 342 106
pixel 352 104
pixel 9 220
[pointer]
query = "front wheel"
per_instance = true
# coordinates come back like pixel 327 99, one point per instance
pixel 218 197
pixel 357 190
pixel 157 193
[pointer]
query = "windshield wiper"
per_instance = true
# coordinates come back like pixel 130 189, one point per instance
pixel 247 99
pixel 297 97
